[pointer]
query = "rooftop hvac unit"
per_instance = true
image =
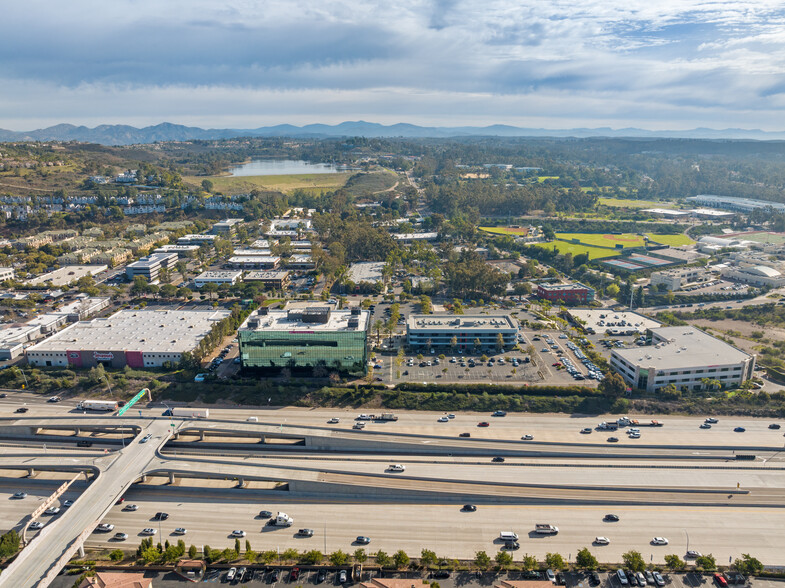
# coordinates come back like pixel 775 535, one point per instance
pixel 355 312
pixel 263 311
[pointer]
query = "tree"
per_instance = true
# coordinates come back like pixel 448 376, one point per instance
pixel 504 560
pixel 9 544
pixel 206 553
pixel 613 385
pixel 634 561
pixel 554 561
pixel 401 559
pixel 207 185
pixel 378 325
pixel 192 551
pixel 612 291
pixel 482 560
pixel 427 558
pixel 706 562
pixel 499 342
pixel 237 545
pixel 116 555
pixel 360 556
pixel 290 554
pixel 748 565
pixel 382 559
pixel 674 562
pixel 585 560
pixel 529 562
pixel 312 557
pixel 339 558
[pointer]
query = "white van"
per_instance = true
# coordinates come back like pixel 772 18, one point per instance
pixel 508 536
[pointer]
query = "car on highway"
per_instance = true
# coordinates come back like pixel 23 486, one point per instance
pixel 774 426
pixel 613 439
pixel 692 554
pixel 120 536
pixel 720 580
pixel 237 533
pixel 54 399
pixel 22 409
pixel 610 518
pixel 67 503
pixel 601 541
pixel 659 541
pixel 84 443
pixel 711 421
pixel 498 459
pixel 499 413
pixel 658 579
pixel 35 525
pixel 396 467
pixel 131 507
pixel 465 435
pixel 443 419
pixel 305 532
pixel 342 577
pixel 146 438
pixel 739 430
pixel 160 516
pixel 180 531
pixel 358 426
pixel 265 514
pixel 705 426
pixel 333 421
pixel 149 531
pixel 450 416
pixel 469 508
pixel 52 510
pixel 19 495
pixel 586 430
pixel 527 437
pixel 483 424
pixel 105 527
pixel 363 540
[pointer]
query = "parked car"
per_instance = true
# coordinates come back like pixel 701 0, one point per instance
pixel 342 577
pixel 720 580
pixel 658 579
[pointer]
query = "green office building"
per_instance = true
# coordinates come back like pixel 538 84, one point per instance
pixel 306 338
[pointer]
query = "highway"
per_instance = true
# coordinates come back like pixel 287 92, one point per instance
pixel 675 481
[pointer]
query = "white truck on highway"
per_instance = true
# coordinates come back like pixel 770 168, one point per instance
pixel 107 405
pixel 190 413
pixel 545 529
pixel 283 520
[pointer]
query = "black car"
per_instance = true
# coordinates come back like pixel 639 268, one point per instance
pixel 774 426
pixel 440 575
pixel 265 514
pixel 594 579
pixel 465 435
pixel 321 576
pixel 161 516
pixel 511 545
pixel 274 576
pixel 498 459
pixel 84 443
pixel 611 518
pixel 22 409
pixel 469 508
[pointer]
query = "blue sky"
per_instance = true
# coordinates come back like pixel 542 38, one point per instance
pixel 655 64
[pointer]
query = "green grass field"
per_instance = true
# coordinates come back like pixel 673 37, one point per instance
pixel 761 237
pixel 605 240
pixel 576 249
pixel 314 183
pixel 628 203
pixel 543 178
pixel 504 230
pixel 672 240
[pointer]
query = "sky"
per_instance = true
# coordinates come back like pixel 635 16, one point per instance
pixel 557 64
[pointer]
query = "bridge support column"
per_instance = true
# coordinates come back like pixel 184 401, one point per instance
pixel 81 550
pixel 201 435
pixel 142 478
pixel 30 472
pixel 77 430
pixel 241 483
pixel 171 477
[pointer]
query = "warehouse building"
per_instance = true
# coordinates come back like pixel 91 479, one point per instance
pixel 306 338
pixel 737 204
pixel 150 267
pixel 465 331
pixel 217 277
pixel 575 293
pixel 366 271
pixel 136 338
pixel 67 275
pixel 684 356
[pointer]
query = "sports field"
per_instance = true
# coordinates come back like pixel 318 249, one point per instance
pixel 758 237
pixel 285 183
pixel 629 203
pixel 672 240
pixel 505 230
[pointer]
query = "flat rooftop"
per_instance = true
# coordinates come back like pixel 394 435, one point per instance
pixel 66 275
pixel 460 322
pixel 624 320
pixel 219 275
pixel 154 331
pixel 560 287
pixel 683 347
pixel 266 275
pixel 367 271
pixel 278 320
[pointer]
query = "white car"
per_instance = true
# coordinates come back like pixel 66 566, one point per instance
pixel 131 507
pixel 180 531
pixel 358 426
pixel 527 437
pixel 105 527
pixel 237 533
pixel 52 510
pixel 146 438
pixel 601 541
pixel 659 541
pixel 396 467
pixel 333 421
pixel 443 419
pixel 149 531
pixel 692 554
pixel 67 503
pixel 450 416
pixel 35 525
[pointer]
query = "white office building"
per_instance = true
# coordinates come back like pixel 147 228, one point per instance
pixel 217 277
pixel 685 357
pixel 150 267
pixel 460 331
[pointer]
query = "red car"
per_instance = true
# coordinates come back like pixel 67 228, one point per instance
pixel 720 580
pixel 483 424
pixel 294 574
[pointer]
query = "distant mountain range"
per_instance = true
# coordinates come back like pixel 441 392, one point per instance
pixel 128 135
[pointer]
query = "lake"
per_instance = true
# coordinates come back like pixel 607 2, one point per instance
pixel 281 167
